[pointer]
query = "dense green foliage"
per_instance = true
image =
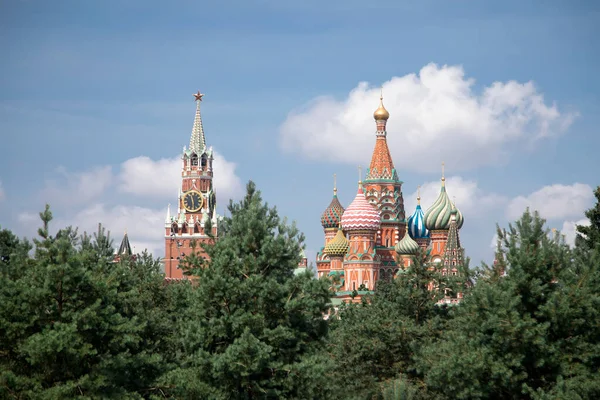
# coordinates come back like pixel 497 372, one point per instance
pixel 253 328
pixel 589 236
pixel 372 341
pixel 74 323
pixel 533 334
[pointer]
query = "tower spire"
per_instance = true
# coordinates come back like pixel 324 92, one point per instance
pixel 359 175
pixel 125 247
pixel 443 174
pixel 198 141
pixel 419 195
pixel 168 217
pixel 334 185
pixel 382 166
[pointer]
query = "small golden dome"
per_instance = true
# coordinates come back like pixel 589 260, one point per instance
pixel 381 113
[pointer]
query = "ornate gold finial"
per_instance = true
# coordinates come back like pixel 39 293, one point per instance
pixel 198 96
pixel 334 185
pixel 381 114
pixel 126 231
pixel 419 194
pixel 359 174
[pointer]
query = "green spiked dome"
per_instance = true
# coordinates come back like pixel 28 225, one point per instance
pixel 407 246
pixel 338 246
pixel 438 215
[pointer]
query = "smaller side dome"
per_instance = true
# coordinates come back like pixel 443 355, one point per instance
pixel 416 224
pixel 338 246
pixel 407 246
pixel 332 215
pixel 438 215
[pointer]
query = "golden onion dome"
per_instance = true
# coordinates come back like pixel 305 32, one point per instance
pixel 338 246
pixel 381 113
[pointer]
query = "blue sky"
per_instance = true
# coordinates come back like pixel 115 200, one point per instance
pixel 95 106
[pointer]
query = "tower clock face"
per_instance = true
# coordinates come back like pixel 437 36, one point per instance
pixel 192 201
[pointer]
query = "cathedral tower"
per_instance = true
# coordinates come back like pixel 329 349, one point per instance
pixel 361 221
pixel 437 221
pixel 331 217
pixel 384 190
pixel 196 201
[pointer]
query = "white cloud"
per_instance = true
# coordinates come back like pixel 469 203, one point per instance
pixel 86 197
pixel 75 188
pixel 160 179
pixel 470 199
pixel 227 184
pixel 434 114
pixel 554 201
pixel 569 229
pixel 145 177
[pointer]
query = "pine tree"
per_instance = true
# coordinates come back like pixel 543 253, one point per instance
pixel 8 244
pixel 75 324
pixel 254 329
pixel 589 236
pixel 532 334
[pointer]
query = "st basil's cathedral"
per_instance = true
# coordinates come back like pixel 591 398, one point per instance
pixel 373 240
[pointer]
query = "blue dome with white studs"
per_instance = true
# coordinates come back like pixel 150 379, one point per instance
pixel 416 223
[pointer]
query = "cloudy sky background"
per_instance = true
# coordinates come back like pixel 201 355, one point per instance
pixel 96 105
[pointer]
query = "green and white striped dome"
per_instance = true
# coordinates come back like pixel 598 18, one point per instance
pixel 438 215
pixel 407 246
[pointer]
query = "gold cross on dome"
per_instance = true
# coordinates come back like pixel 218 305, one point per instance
pixel 198 96
pixel 359 173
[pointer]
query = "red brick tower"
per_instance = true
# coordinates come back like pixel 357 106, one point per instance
pixel 196 203
pixel 383 189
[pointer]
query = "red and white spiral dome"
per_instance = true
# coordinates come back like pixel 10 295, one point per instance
pixel 361 215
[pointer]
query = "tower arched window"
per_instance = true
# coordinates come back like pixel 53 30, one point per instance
pixel 194 160
pixel 203 161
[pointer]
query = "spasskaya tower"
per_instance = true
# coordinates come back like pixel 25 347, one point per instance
pixel 196 201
